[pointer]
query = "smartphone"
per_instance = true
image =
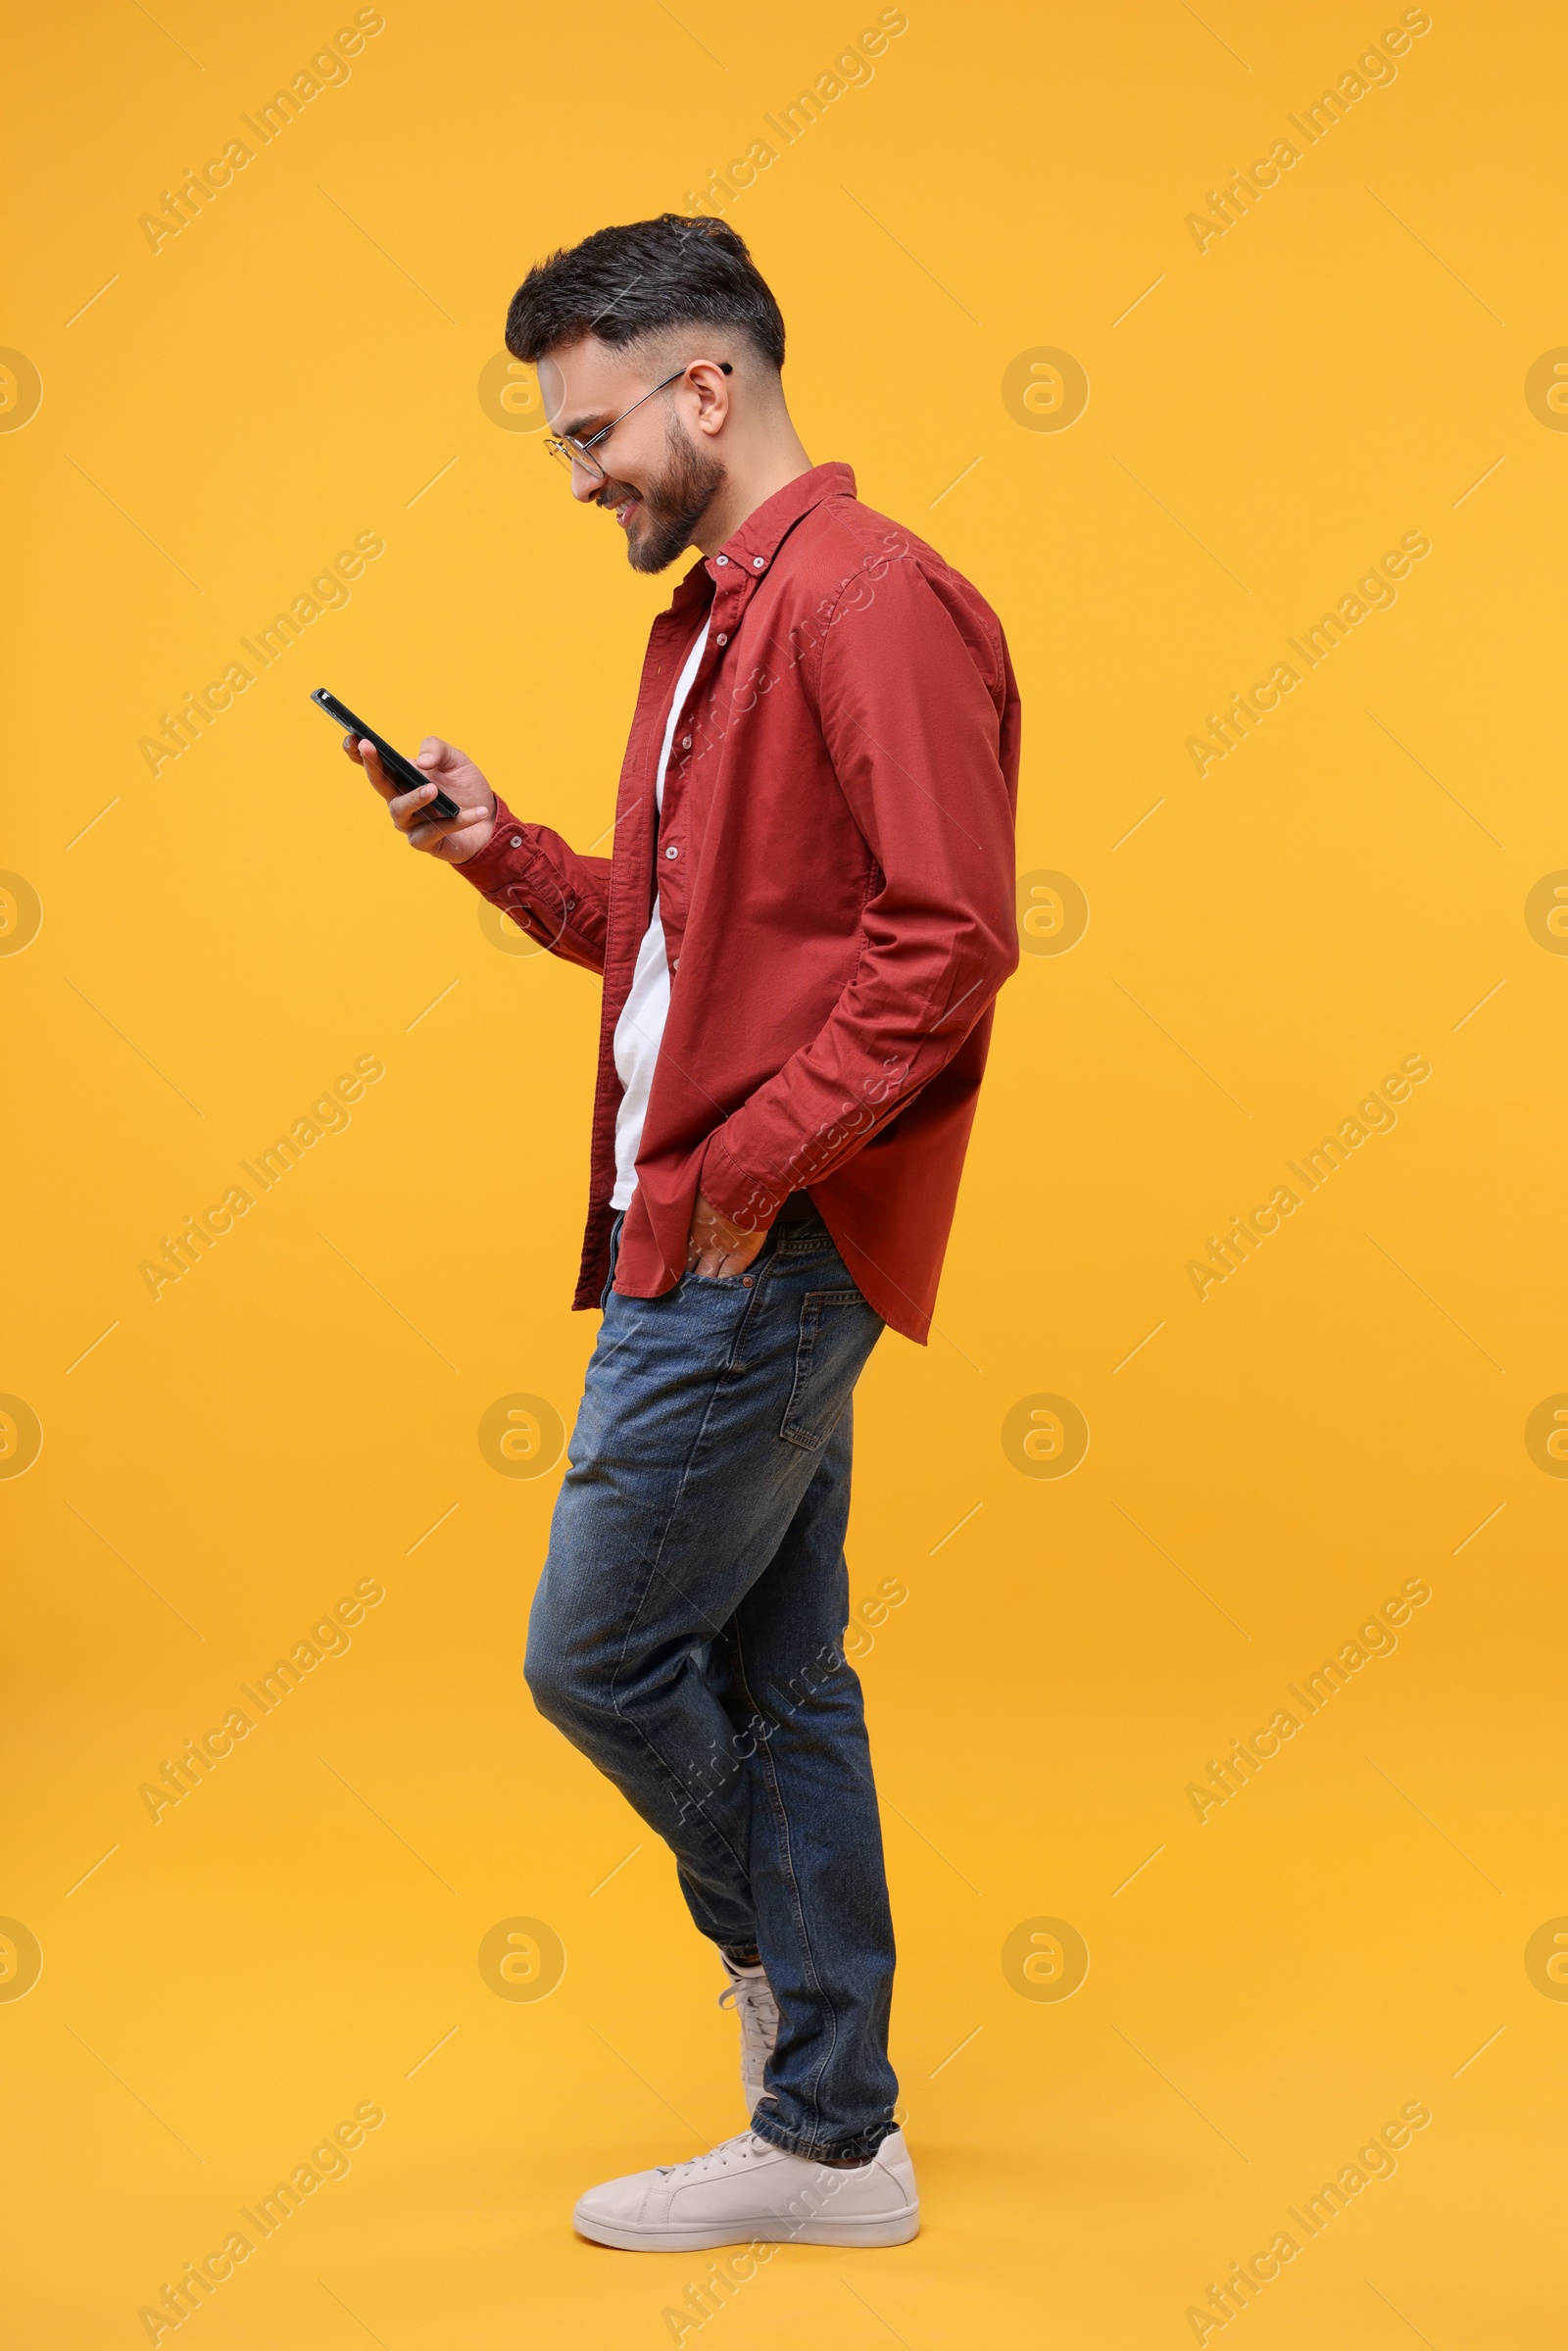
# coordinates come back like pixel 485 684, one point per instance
pixel 392 760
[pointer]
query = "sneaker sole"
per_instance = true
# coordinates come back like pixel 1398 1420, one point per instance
pixel 893 2228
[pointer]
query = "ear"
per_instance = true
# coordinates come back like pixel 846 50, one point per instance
pixel 713 405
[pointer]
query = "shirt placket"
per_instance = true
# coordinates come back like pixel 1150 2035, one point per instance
pixel 732 581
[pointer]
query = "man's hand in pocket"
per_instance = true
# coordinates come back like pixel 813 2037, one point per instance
pixel 714 1245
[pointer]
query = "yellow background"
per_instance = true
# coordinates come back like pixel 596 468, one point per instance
pixel 296 367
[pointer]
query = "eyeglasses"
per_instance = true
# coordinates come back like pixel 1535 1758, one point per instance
pixel 572 452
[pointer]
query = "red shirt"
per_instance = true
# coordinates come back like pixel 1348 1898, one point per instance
pixel 835 877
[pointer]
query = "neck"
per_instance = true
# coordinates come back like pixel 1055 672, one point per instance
pixel 763 464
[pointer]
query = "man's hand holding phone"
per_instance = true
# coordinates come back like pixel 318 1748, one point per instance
pixel 456 838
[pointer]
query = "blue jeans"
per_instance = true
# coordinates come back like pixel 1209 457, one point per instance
pixel 686 1637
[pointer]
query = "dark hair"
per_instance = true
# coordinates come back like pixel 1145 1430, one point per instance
pixel 621 284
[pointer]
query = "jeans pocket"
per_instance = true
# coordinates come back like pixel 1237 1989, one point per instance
pixel 838 1330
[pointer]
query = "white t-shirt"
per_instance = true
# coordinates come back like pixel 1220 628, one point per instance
pixel 640 1025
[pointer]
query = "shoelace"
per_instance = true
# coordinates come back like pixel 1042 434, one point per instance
pixel 754 2003
pixel 717 2158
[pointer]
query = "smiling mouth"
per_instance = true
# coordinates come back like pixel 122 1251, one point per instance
pixel 624 508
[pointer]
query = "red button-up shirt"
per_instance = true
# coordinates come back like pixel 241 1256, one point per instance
pixel 834 871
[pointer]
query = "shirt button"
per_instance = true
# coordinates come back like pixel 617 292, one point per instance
pixel 570 903
pixel 756 563
pixel 685 742
pixel 517 840
pixel 721 639
pixel 673 853
pixel 722 558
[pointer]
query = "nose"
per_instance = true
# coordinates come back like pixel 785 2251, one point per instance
pixel 586 481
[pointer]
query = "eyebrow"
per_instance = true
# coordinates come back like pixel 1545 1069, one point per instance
pixel 580 426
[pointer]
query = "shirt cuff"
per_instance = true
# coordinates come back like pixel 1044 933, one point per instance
pixel 490 868
pixel 518 881
pixel 745 1200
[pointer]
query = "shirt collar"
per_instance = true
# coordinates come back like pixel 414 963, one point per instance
pixel 752 549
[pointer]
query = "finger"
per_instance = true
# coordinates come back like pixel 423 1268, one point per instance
pixel 351 746
pixel 406 807
pixel 371 761
pixel 437 827
pixel 431 827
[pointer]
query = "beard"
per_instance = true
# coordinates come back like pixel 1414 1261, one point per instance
pixel 671 506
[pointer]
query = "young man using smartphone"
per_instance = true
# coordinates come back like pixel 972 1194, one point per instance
pixel 807 915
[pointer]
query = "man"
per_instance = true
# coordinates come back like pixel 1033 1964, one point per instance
pixel 808 913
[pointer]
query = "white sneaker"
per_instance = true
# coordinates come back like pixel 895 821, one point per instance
pixel 749 2191
pixel 751 1996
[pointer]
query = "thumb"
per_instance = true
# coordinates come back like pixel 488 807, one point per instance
pixel 436 757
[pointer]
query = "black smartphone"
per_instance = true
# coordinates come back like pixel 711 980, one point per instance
pixel 392 760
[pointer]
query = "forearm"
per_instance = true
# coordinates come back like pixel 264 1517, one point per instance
pixel 892 1031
